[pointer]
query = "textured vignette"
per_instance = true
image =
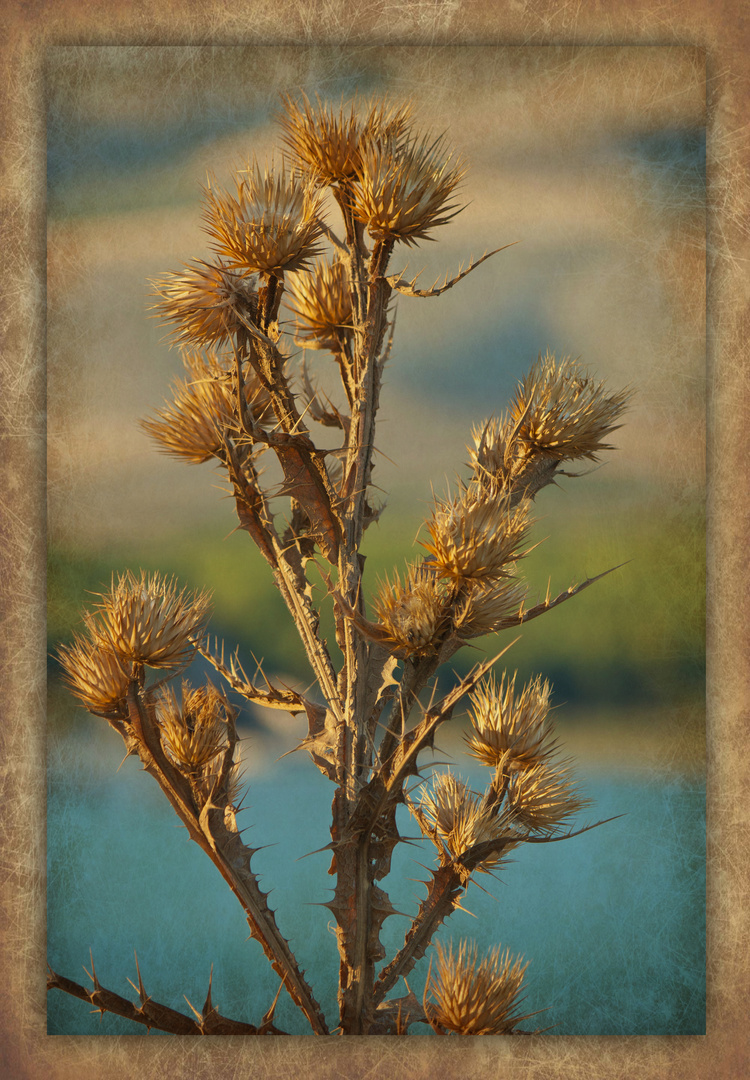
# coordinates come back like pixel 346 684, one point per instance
pixel 28 1051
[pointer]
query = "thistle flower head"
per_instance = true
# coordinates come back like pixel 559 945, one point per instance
pixel 543 797
pixel 442 802
pixel 511 726
pixel 476 535
pixel 203 409
pixel 471 996
pixel 193 730
pixel 559 413
pixel 206 302
pixel 146 620
pixel 323 307
pixel 272 223
pixel 487 605
pixel 405 188
pixel 412 611
pixel 95 675
pixel 492 454
pixel 330 142
pixel 452 814
pixel 563 413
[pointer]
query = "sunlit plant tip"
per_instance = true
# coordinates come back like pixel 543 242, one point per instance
pixel 271 224
pixel 468 996
pixel 147 620
pixel 509 726
pixel 95 675
pixel 207 303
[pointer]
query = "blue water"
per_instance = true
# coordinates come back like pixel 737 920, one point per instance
pixel 612 922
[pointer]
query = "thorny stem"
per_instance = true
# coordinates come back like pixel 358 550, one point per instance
pixel 258 523
pixel 152 1014
pixel 414 679
pixel 353 862
pixel 208 828
pixel 443 893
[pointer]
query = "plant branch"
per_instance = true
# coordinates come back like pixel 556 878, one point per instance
pixel 548 605
pixel 408 288
pixel 214 829
pixel 443 895
pixel 152 1014
pixel 286 700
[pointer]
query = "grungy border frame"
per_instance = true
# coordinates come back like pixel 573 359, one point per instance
pixel 30 25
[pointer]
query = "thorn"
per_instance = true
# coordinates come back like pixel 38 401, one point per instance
pixel 208 1007
pixel 193 1007
pixel 328 847
pixel 269 1014
pixel 92 973
pixel 139 988
pixel 122 762
pixel 457 906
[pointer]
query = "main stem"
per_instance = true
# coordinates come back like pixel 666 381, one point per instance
pixel 357 936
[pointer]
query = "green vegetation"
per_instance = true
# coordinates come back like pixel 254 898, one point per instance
pixel 608 649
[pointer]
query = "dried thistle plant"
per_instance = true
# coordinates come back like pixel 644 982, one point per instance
pixel 366 731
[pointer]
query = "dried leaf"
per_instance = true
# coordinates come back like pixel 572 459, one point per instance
pixel 408 288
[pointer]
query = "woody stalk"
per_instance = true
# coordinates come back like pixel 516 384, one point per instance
pixel 317 231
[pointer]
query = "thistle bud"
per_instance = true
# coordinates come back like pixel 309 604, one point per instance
pixel 234 779
pixel 412 611
pixel 323 307
pixel 95 675
pixel 451 814
pixel 543 797
pixel 511 726
pixel 559 413
pixel 405 188
pixel 207 302
pixel 329 142
pixel 203 410
pixel 147 621
pixel 471 996
pixel 271 225
pixel 486 606
pixel 563 413
pixel 194 730
pixel 476 536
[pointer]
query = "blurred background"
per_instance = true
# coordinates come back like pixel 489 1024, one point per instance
pixel 592 161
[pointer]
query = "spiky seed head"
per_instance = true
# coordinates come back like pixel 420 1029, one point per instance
pixel 193 730
pixel 203 409
pixel 206 302
pixel 405 188
pixel 412 612
pixel 147 620
pixel 567 414
pixel 451 814
pixel 493 453
pixel 559 413
pixel 323 306
pixel 270 225
pixel 544 797
pixel 95 675
pixel 329 142
pixel 476 536
pixel 441 802
pixel 469 996
pixel 510 726
pixel 487 605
